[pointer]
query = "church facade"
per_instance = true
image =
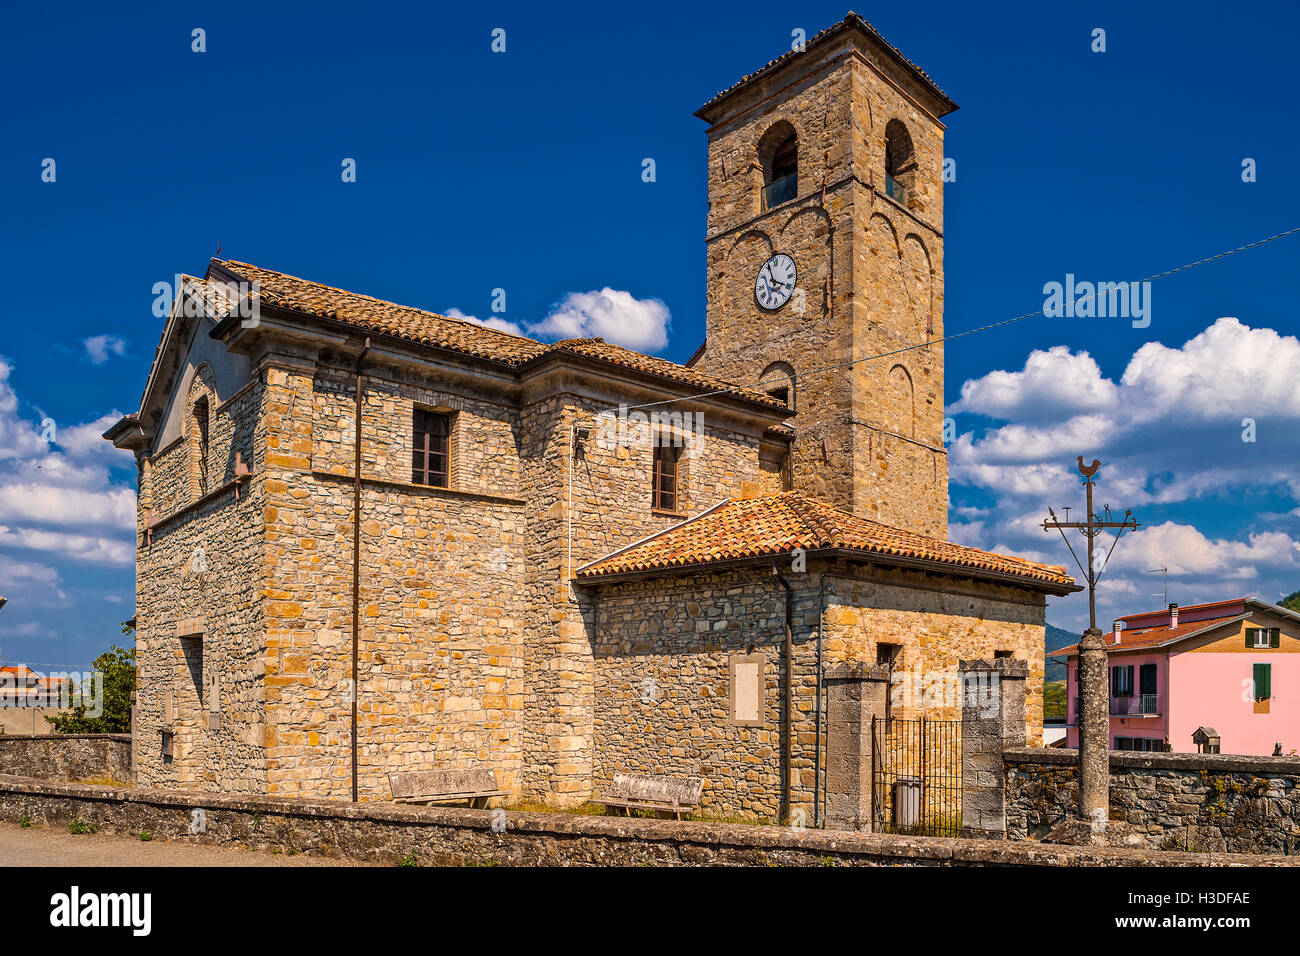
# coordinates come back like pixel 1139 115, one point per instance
pixel 564 561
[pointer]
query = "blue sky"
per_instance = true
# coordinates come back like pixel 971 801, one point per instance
pixel 522 171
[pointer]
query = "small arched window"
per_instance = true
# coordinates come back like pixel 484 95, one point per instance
pixel 779 382
pixel 778 153
pixel 201 442
pixel 900 162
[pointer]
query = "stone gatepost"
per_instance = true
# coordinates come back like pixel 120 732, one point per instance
pixel 855 692
pixel 992 720
pixel 1094 732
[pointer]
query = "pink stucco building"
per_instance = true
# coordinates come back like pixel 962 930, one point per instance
pixel 1230 670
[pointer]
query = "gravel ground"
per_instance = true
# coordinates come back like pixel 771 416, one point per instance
pixel 48 846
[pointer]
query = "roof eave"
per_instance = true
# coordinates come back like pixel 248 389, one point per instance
pixel 942 104
pixel 853 554
pixel 562 357
pixel 128 432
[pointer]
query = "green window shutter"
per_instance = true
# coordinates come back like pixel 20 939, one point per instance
pixel 1250 637
pixel 1263 674
pixel 1275 637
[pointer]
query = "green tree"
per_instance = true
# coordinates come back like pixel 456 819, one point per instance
pixel 1291 602
pixel 117 666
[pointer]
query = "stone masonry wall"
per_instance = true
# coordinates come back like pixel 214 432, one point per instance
pixel 198 609
pixel 870 280
pixel 937 627
pixel 445 836
pixel 575 515
pixel 662 648
pixel 441 684
pixel 1198 802
pixel 67 756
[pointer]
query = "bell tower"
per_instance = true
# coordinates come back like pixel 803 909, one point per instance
pixel 825 246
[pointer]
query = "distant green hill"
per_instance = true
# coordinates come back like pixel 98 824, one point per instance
pixel 1056 637
pixel 1291 602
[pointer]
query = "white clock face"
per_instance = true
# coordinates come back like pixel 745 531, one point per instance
pixel 775 282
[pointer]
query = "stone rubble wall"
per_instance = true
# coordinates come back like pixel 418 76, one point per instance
pixel 661 667
pixel 440 671
pixel 203 564
pixel 870 274
pixel 577 515
pixel 388 834
pixel 67 756
pixel 1202 802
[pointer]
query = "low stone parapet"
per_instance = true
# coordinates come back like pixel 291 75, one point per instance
pixel 386 833
pixel 1199 802
pixel 67 756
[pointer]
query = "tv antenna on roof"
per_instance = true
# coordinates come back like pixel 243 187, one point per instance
pixel 1164 574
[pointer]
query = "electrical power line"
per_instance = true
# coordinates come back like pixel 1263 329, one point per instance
pixel 982 328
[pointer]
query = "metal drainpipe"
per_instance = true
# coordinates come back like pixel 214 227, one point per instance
pixel 818 791
pixel 789 696
pixel 356 565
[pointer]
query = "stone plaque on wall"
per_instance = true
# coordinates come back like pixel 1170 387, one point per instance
pixel 745 694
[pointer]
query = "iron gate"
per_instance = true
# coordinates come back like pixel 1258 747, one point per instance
pixel 916 776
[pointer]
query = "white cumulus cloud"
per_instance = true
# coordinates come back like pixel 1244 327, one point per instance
pixel 100 348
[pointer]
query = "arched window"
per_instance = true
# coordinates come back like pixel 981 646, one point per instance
pixel 902 400
pixel 779 381
pixel 201 443
pixel 900 162
pixel 778 153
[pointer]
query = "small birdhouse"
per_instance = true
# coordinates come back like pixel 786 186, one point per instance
pixel 1206 740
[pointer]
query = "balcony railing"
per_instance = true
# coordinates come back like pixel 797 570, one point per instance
pixel 1136 705
pixel 780 190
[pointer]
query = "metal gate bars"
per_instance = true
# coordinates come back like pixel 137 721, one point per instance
pixel 916 776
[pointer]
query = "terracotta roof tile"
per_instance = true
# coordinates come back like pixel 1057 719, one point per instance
pixel 852 20
pixel 777 524
pixel 468 338
pixel 401 321
pixel 1148 637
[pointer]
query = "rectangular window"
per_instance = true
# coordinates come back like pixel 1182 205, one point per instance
pixel 430 459
pixel 1261 637
pixel 1263 675
pixel 665 476
pixel 1121 681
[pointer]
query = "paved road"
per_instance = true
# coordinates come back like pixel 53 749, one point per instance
pixel 52 846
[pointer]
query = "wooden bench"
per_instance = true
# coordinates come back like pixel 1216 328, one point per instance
pixel 475 787
pixel 643 791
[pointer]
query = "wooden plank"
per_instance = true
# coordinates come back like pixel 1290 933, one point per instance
pixel 433 783
pixel 656 789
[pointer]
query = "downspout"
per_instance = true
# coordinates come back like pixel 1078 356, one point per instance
pixel 818 791
pixel 356 565
pixel 788 729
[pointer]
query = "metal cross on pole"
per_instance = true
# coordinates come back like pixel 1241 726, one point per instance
pixel 1093 526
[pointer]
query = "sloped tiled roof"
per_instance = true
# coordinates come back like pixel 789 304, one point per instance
pixel 1150 629
pixel 776 524
pixel 850 21
pixel 389 318
pixel 1149 637
pixel 468 338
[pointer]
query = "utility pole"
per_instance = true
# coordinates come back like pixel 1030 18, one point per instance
pixel 1094 697
pixel 1093 526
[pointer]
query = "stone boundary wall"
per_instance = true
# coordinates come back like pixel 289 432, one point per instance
pixel 383 833
pixel 67 756
pixel 1203 802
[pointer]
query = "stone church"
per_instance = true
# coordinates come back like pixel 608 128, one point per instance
pixel 560 562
